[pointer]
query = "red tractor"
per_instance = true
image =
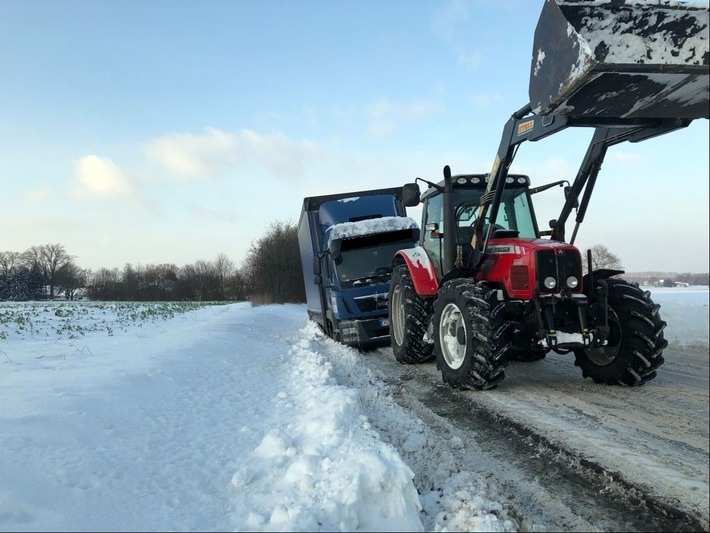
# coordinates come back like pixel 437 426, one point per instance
pixel 485 284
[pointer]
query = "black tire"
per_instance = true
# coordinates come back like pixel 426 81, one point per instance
pixel 409 316
pixel 471 335
pixel 635 345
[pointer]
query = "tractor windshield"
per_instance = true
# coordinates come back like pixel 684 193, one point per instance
pixel 515 212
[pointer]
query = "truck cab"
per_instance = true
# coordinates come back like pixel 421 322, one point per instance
pixel 347 243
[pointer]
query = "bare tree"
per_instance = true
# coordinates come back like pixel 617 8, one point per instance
pixel 32 257
pixel 71 277
pixel 103 284
pixel 32 263
pixel 9 262
pixel 131 281
pixel 160 281
pixel 603 258
pixel 273 266
pixel 52 257
pixel 224 268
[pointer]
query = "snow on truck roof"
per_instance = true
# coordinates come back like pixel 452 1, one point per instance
pixel 346 230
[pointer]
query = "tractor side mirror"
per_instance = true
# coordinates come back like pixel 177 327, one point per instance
pixel 433 229
pixel 411 195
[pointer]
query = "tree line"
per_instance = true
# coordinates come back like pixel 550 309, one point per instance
pixel 270 273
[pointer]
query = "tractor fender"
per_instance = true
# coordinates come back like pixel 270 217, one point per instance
pixel 599 274
pixel 420 268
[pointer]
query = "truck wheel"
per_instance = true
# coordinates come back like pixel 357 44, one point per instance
pixel 471 335
pixel 635 345
pixel 409 316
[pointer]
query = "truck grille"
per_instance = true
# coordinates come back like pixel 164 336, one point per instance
pixel 372 302
pixel 559 263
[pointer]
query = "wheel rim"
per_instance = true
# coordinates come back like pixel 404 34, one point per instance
pixel 451 334
pixel 605 355
pixel 397 317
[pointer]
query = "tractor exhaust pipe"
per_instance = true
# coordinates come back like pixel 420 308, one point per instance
pixel 449 223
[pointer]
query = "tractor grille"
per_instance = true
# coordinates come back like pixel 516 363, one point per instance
pixel 559 264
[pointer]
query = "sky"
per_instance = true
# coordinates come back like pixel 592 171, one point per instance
pixel 171 131
pixel 213 420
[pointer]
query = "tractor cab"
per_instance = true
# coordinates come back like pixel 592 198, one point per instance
pixel 515 219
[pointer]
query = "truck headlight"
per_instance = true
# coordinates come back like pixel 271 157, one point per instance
pixel 550 282
pixel 572 282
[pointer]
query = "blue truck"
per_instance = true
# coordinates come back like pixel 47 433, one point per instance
pixel 347 242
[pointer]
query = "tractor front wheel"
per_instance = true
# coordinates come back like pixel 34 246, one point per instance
pixel 409 316
pixel 635 344
pixel 470 335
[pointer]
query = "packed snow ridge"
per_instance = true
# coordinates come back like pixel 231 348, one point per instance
pixel 346 230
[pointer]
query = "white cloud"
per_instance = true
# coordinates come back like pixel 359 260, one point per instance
pixel 625 158
pixel 446 19
pixel 277 153
pixel 100 177
pixel 386 116
pixel 471 59
pixel 37 195
pixel 187 156
pixel 487 100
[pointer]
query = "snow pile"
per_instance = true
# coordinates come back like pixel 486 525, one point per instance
pixel 453 498
pixel 346 230
pixel 325 469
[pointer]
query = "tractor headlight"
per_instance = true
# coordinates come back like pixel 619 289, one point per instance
pixel 550 282
pixel 572 282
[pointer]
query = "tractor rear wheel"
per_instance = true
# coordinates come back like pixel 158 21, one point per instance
pixel 635 345
pixel 471 335
pixel 409 316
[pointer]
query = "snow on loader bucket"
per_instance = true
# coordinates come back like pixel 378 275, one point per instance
pixel 613 59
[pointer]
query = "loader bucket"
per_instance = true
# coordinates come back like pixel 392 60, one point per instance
pixel 625 60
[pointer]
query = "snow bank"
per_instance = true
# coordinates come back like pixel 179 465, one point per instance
pixel 452 497
pixel 347 230
pixel 326 469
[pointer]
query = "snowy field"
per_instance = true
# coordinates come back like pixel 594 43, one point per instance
pixel 227 417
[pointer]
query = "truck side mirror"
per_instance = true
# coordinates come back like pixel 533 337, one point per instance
pixel 317 280
pixel 334 248
pixel 411 195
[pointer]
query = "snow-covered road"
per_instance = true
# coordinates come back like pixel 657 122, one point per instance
pixel 241 418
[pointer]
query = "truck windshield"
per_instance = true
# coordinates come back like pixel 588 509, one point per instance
pixel 368 259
